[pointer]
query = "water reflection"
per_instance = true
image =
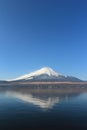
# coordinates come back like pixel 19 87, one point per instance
pixel 43 99
pixel 29 109
pixel 47 102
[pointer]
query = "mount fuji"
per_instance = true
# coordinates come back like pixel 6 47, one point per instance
pixel 46 74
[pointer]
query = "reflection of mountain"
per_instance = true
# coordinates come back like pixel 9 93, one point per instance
pixel 47 102
pixel 44 101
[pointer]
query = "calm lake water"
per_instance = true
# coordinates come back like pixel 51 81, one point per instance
pixel 43 110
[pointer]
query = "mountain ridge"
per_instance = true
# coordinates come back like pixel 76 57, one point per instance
pixel 46 74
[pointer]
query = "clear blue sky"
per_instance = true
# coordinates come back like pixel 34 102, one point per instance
pixel 38 33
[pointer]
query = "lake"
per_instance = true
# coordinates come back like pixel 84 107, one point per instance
pixel 43 109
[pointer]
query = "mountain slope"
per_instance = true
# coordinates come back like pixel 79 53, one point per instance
pixel 46 74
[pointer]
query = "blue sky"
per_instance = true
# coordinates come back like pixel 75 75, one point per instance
pixel 38 33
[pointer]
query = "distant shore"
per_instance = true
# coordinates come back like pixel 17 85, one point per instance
pixel 45 84
pixel 52 83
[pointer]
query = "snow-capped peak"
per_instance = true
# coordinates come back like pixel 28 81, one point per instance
pixel 45 70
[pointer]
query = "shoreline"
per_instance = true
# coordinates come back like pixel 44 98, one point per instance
pixel 51 83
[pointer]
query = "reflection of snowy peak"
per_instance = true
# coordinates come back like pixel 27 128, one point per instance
pixel 43 100
pixel 45 74
pixel 44 103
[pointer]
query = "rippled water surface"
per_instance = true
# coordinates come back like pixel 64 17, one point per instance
pixel 43 110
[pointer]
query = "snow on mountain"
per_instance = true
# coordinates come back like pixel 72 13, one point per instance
pixel 46 74
pixel 43 71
